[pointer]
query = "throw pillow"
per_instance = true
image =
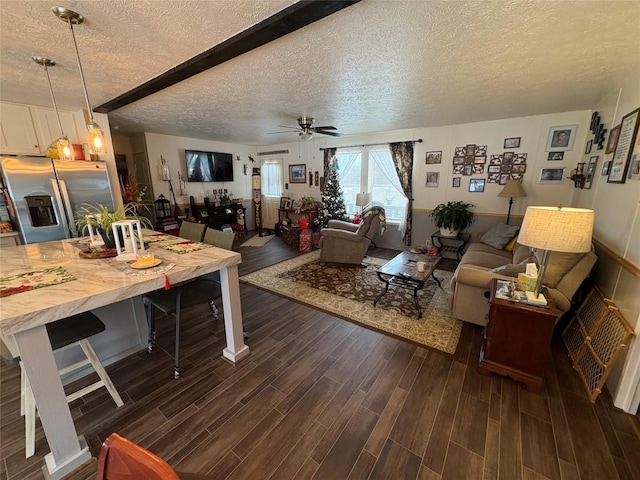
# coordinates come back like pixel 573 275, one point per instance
pixel 559 265
pixel 509 270
pixel 511 245
pixel 499 235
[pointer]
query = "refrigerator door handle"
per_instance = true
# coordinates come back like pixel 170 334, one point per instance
pixel 62 211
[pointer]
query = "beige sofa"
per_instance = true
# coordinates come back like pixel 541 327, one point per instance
pixel 472 278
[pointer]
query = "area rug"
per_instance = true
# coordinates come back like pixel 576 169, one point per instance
pixel 257 241
pixel 348 293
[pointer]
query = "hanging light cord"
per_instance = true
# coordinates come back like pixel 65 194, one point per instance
pixel 84 86
pixel 53 99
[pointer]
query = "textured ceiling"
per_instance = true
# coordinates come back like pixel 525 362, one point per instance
pixel 374 66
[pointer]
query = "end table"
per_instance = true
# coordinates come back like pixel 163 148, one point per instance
pixel 517 340
pixel 450 244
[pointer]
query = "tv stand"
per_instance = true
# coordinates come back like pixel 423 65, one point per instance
pixel 216 217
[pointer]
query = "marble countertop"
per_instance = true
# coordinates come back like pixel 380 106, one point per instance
pixel 98 283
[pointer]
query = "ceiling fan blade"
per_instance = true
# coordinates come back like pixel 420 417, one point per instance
pixel 284 131
pixel 333 134
pixel 328 127
pixel 287 126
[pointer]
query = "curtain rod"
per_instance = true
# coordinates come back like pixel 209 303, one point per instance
pixel 370 144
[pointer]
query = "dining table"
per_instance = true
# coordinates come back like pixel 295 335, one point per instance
pixel 44 282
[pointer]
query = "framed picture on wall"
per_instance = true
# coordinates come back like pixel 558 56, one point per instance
pixel 561 138
pixel 613 139
pixel 298 173
pixel 552 175
pixel 434 157
pixel 591 172
pixel 513 142
pixel 476 185
pixel 432 179
pixel 555 156
pixel 624 148
pixel 455 182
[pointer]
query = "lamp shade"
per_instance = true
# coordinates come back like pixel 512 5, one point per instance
pixel 557 229
pixel 362 199
pixel 512 189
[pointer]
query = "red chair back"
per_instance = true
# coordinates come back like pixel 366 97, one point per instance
pixel 121 459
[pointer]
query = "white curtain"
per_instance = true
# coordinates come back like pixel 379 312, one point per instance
pixel 346 160
pixel 384 162
pixel 271 177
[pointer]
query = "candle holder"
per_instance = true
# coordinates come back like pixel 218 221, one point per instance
pixel 133 244
pixel 94 237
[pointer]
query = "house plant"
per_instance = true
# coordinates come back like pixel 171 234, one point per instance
pixel 100 217
pixel 451 217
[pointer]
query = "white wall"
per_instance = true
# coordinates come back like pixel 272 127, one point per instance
pixel 617 225
pixel 172 149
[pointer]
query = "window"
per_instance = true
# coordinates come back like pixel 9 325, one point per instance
pixel 371 170
pixel 271 177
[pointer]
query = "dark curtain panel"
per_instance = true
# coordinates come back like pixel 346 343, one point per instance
pixel 402 154
pixel 329 153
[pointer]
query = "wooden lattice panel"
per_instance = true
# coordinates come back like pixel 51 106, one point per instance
pixel 595 338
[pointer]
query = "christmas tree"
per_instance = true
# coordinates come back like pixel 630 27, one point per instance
pixel 332 200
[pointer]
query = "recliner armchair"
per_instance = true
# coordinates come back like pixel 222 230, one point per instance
pixel 344 242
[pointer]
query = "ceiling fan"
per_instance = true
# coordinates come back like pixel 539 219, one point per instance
pixel 306 130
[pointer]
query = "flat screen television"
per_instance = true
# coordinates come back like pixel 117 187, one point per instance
pixel 208 166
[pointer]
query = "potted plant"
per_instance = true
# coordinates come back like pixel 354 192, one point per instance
pixel 451 217
pixel 100 217
pixel 307 202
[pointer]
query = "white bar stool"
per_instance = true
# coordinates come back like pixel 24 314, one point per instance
pixel 67 333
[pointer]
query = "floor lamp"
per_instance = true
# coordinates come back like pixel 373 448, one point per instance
pixel 512 189
pixel 556 229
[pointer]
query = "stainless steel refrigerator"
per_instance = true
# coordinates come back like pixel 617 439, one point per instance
pixel 47 194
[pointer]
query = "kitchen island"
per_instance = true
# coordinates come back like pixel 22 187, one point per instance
pixel 112 293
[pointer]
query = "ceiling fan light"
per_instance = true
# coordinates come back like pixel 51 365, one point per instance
pixel 95 138
pixel 305 135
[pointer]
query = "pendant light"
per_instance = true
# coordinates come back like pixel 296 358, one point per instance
pixel 95 135
pixel 65 152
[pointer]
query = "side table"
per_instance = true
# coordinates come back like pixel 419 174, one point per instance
pixel 450 244
pixel 517 340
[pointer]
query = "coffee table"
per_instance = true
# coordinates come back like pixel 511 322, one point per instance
pixel 402 271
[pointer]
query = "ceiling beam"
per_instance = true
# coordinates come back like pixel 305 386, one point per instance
pixel 289 20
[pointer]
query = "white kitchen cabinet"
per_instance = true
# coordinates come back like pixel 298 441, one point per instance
pixel 17 130
pixel 48 129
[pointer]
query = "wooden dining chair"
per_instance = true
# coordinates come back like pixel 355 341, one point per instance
pixel 122 459
pixel 192 231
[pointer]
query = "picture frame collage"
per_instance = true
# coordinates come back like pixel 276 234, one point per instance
pixel 505 166
pixel 472 160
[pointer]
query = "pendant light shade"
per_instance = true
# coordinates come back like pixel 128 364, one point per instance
pixel 95 135
pixel 65 152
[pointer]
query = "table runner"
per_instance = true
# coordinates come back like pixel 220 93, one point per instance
pixel 25 282
pixel 185 247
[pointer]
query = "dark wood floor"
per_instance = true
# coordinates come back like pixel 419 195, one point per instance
pixel 322 398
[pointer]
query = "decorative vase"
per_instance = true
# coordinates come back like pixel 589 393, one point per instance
pixel 445 232
pixel 108 239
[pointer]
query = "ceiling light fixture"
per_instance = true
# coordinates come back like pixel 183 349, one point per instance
pixel 305 135
pixel 95 135
pixel 65 152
